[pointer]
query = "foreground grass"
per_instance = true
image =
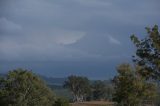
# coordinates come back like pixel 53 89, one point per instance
pixel 93 103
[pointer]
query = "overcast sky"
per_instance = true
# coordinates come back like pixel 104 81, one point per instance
pixel 62 37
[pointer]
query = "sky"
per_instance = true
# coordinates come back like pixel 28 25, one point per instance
pixel 57 38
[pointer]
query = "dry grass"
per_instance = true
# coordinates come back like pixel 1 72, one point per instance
pixel 93 103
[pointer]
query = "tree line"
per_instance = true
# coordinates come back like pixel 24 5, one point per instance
pixel 83 89
pixel 24 88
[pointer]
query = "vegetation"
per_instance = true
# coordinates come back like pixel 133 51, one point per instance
pixel 148 53
pixel 99 90
pixel 130 88
pixel 83 89
pixel 23 88
pixel 61 102
pixel 79 86
pixel 148 56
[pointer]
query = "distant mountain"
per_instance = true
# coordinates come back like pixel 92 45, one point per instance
pixel 48 80
pixel 58 82
pixel 2 75
pixel 53 81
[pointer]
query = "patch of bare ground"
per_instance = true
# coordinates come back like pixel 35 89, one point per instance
pixel 93 103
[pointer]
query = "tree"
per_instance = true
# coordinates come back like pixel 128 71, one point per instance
pixel 23 88
pixel 148 53
pixel 98 90
pixel 109 91
pixel 79 86
pixel 130 88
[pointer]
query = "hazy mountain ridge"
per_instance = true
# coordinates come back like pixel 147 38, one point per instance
pixel 53 80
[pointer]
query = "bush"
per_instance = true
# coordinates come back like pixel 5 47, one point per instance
pixel 61 102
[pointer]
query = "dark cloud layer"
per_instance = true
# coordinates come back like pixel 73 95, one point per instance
pixel 86 37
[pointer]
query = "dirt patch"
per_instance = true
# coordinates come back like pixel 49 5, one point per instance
pixel 93 103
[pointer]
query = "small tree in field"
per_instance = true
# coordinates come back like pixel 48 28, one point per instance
pixel 79 86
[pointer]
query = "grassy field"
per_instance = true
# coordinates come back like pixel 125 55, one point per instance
pixel 93 103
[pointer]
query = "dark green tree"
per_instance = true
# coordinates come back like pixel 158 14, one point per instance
pixel 148 53
pixel 23 88
pixel 130 88
pixel 79 86
pixel 109 91
pixel 98 90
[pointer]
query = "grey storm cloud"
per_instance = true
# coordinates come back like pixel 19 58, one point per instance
pixel 48 27
pixel 72 30
pixel 7 26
